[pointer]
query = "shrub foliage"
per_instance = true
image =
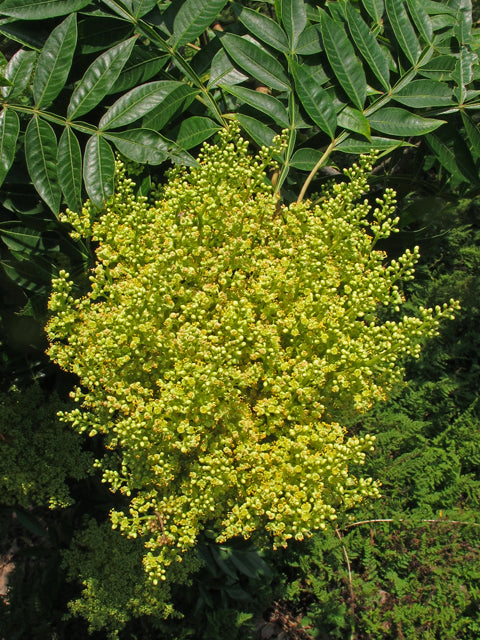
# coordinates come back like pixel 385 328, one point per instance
pixel 224 341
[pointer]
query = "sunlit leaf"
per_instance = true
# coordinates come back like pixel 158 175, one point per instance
pixel 193 131
pixel 9 128
pixel 315 99
pixel 98 170
pixel 69 162
pixel 424 93
pixel 178 96
pixel 354 120
pixel 99 78
pixel 18 72
pixel 294 19
pixel 41 155
pixel 40 9
pixel 263 28
pixel 403 29
pixel 140 145
pixel 133 105
pixel 421 19
pixel 256 62
pixel 54 62
pixel 193 17
pixel 264 102
pixel 375 8
pixel 345 64
pixel 259 132
pixel 400 122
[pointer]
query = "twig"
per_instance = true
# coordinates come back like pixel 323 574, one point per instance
pixel 431 520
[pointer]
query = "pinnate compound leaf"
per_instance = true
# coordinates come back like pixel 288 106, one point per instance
pixel 294 19
pixel 41 155
pixel 41 9
pixel 315 100
pixel 345 64
pixel 263 28
pixel 403 29
pixel 375 9
pixel 193 17
pixel 69 161
pixel 193 131
pixel 264 102
pixel 400 122
pixel 424 93
pixel 256 62
pixel 368 46
pixel 98 170
pixel 9 128
pixel 18 72
pixel 134 104
pixel 54 62
pixel 421 19
pixel 140 145
pixel 99 78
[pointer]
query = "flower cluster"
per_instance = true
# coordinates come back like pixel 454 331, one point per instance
pixel 224 341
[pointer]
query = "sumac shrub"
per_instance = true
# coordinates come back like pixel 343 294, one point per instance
pixel 224 342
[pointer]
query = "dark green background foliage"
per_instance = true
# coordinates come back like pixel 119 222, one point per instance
pixel 82 79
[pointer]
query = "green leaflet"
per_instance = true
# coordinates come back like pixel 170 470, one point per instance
pixel 54 62
pixel 424 93
pixel 98 170
pixel 99 79
pixel 294 19
pixel 403 30
pixel 9 128
pixel 368 46
pixel 40 9
pixel 263 28
pixel 18 72
pixel 264 102
pixel 193 18
pixel 41 155
pixel 315 99
pixel 256 62
pixel 345 64
pixel 69 162
pixel 195 130
pixel 400 122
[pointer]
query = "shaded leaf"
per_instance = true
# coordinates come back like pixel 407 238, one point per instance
pixel 141 67
pixel 265 103
pixel 345 64
pixel 256 62
pixel 421 19
pixel 309 41
pixel 259 132
pixel 438 68
pixel 41 9
pixel 305 159
pixel 193 131
pixel 69 161
pixel 263 28
pixel 178 97
pixel 473 134
pixel 315 100
pixel 141 7
pixel 368 46
pixel 357 145
pixel 193 17
pixel 424 93
pixel 375 9
pixel 98 170
pixel 400 122
pixel 463 73
pixel 403 29
pixel 41 155
pixel 223 72
pixel 140 145
pixel 294 19
pixel 9 128
pixel 457 161
pixel 18 72
pixel 54 62
pixel 354 120
pixel 99 78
